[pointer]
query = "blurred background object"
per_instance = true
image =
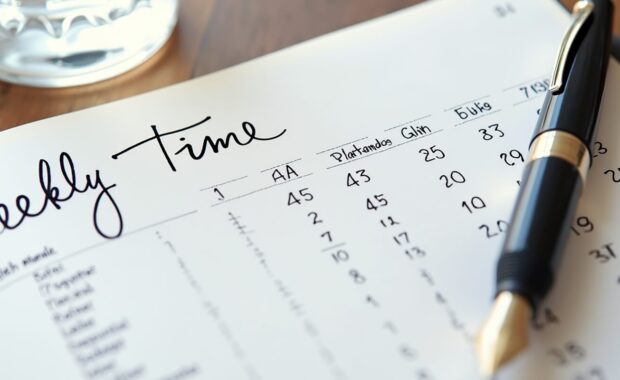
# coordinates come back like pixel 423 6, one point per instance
pixel 211 35
pixel 58 43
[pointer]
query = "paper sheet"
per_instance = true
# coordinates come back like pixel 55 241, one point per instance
pixel 330 211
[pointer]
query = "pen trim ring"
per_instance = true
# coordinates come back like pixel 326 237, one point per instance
pixel 562 145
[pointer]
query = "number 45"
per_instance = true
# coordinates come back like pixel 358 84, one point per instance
pixel 303 195
pixel 375 202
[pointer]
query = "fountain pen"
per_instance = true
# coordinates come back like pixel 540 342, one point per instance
pixel 553 179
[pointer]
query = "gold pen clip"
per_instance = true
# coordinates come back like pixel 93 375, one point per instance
pixel 581 12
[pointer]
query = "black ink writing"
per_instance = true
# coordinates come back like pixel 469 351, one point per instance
pixel 208 142
pixel 12 219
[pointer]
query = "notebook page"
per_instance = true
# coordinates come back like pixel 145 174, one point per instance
pixel 330 211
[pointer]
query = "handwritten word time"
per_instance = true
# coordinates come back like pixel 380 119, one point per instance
pixel 208 142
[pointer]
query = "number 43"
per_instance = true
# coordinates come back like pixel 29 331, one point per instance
pixel 354 179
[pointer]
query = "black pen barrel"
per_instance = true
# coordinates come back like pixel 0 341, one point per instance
pixel 558 163
pixel 574 109
pixel 539 228
pixel 555 173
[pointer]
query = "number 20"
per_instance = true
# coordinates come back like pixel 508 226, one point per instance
pixel 453 178
pixel 501 227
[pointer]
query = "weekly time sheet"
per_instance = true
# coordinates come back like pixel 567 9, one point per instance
pixel 331 211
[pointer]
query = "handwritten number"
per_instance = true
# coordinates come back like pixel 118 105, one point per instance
pixel 453 178
pixel 603 254
pixel 544 319
pixel 495 127
pixel 504 10
pixel 402 238
pixel 389 221
pixel 558 357
pixel 292 199
pixel 357 277
pixel 599 149
pixel 576 351
pixel 500 226
pixel 407 352
pixel 512 157
pixel 372 301
pixel 567 353
pixel 328 235
pixel 305 193
pixel 594 373
pixel 536 88
pixel 476 203
pixel 487 230
pixel 361 174
pixel 485 135
pixel 315 217
pixel 423 375
pixel 615 175
pixel 415 252
pixel 490 132
pixel 376 202
pixel 220 196
pixel 302 195
pixel 583 224
pixel 431 154
pixel 340 256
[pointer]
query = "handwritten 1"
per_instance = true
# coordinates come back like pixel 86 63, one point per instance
pixel 208 142
pixel 52 196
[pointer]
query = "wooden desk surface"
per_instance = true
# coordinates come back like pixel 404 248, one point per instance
pixel 211 35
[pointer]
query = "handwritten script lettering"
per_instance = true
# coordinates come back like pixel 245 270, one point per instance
pixel 56 196
pixel 208 142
